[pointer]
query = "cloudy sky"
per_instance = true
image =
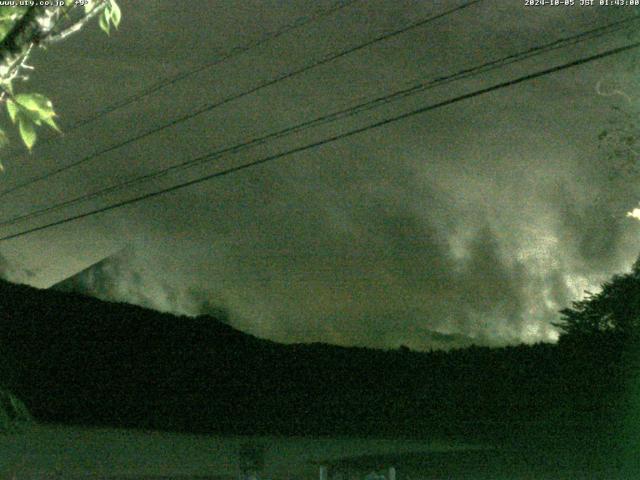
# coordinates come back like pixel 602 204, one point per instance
pixel 475 222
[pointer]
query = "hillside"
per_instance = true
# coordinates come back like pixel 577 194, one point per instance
pixel 78 360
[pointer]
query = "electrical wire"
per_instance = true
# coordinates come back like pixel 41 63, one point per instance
pixel 212 106
pixel 328 140
pixel 344 113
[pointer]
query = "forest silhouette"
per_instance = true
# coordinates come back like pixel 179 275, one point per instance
pixel 73 359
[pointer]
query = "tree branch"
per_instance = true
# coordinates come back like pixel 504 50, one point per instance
pixel 36 27
pixel 76 27
pixel 18 64
pixel 27 31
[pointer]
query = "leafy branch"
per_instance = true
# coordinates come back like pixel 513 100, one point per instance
pixel 21 30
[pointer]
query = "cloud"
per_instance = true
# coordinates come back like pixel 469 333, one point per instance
pixel 473 223
pixel 111 279
pixel 635 213
pixel 120 278
pixel 14 273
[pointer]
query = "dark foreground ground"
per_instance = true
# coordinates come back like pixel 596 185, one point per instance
pixel 568 410
pixel 55 451
pixel 60 452
pixel 489 464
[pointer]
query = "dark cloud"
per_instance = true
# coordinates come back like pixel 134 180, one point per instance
pixel 111 279
pixel 448 339
pixel 592 208
pixel 474 223
pixel 120 278
pixel 13 272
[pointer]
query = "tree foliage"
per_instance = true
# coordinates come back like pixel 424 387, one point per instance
pixel 614 310
pixel 21 30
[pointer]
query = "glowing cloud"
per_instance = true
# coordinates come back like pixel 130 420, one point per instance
pixel 635 213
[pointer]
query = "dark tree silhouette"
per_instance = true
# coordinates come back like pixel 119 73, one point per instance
pixel 614 311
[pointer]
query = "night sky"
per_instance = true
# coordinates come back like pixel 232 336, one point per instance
pixel 475 222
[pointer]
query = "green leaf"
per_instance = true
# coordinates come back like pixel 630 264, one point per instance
pixel 52 123
pixel 4 140
pixel 5 27
pixel 12 109
pixel 31 116
pixel 105 18
pixel 37 103
pixel 27 132
pixel 116 14
pixel 90 5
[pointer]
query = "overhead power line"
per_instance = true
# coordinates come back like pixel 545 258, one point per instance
pixel 331 139
pixel 334 116
pixel 268 83
pixel 224 57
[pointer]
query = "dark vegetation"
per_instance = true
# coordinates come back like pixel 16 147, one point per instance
pixel 78 360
